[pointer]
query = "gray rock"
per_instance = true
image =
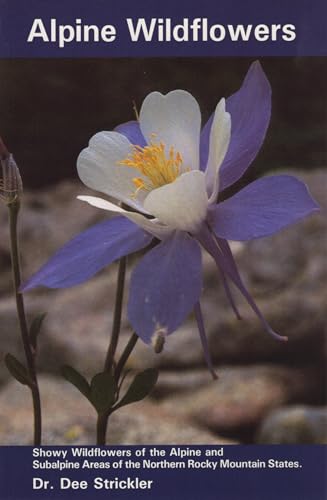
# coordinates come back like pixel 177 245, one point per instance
pixel 242 396
pixel 294 425
pixel 68 418
pixel 181 382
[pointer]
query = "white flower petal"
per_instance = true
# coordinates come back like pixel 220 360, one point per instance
pixel 152 226
pixel 101 203
pixel 98 167
pixel 218 145
pixel 175 120
pixel 181 204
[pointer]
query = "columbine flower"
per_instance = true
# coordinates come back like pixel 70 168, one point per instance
pixel 170 173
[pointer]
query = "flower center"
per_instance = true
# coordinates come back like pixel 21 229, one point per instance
pixel 160 167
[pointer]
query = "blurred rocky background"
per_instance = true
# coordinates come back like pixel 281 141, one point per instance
pixel 267 392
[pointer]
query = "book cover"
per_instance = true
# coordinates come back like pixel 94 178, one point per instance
pixel 163 251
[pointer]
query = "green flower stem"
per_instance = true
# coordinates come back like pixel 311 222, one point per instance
pixel 102 422
pixel 125 355
pixel 29 351
pixel 117 315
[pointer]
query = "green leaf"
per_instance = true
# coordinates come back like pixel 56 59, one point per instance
pixel 140 388
pixel 36 327
pixel 76 379
pixel 17 370
pixel 103 391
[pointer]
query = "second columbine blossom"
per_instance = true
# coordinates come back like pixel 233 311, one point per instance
pixel 170 173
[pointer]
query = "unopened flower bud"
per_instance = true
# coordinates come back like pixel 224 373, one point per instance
pixel 11 185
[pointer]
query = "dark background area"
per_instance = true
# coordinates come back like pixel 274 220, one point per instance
pixel 50 108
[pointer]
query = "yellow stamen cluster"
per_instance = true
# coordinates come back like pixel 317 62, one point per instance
pixel 154 163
